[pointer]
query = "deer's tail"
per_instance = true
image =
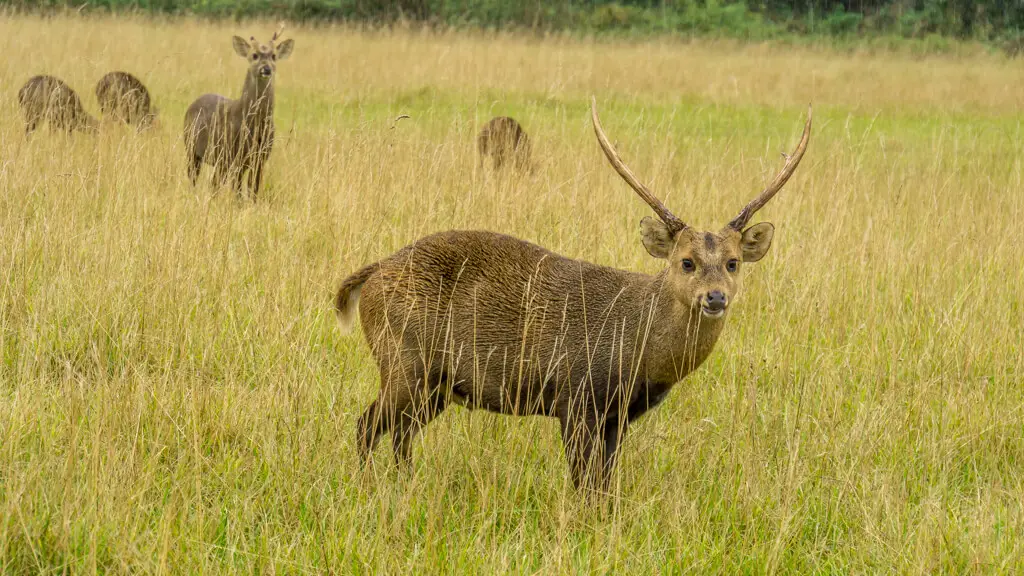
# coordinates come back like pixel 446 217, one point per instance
pixel 348 295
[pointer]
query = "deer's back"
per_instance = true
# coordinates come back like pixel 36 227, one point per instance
pixel 204 108
pixel 206 119
pixel 48 92
pixel 501 132
pixel 123 94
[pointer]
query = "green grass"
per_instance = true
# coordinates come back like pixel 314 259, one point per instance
pixel 175 394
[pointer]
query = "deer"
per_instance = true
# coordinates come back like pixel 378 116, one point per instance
pixel 124 98
pixel 236 136
pixel 488 321
pixel 50 99
pixel 503 138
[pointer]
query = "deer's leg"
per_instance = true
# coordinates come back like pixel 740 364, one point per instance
pixel 420 398
pixel 582 445
pixel 255 179
pixel 195 165
pixel 369 430
pixel 409 424
pixel 382 415
pixel 408 400
pixel 591 445
pixel 614 432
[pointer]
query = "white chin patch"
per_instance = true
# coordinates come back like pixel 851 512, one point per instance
pixel 709 314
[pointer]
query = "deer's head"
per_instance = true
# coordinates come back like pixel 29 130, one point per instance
pixel 704 267
pixel 263 58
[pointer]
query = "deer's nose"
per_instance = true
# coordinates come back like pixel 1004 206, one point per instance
pixel 715 301
pixel 266 71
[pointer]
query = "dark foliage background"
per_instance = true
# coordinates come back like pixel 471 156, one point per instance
pixel 987 20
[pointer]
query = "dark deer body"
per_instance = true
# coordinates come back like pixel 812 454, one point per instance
pixel 236 136
pixel 503 139
pixel 124 98
pixel 50 99
pixel 489 321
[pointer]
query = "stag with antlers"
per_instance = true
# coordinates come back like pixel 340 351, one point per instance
pixel 489 321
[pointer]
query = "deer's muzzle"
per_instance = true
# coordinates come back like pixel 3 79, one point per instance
pixel 714 304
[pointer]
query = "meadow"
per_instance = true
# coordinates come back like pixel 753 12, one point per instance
pixel 176 395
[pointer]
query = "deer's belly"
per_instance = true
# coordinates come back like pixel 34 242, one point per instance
pixel 505 397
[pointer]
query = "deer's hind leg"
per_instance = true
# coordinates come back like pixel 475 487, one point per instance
pixel 369 430
pixel 195 165
pixel 409 399
pixel 428 400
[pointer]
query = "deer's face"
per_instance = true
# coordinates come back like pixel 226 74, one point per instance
pixel 262 58
pixel 704 267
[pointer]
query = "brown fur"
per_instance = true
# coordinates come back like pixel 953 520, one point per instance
pixel 236 136
pixel 490 321
pixel 124 98
pixel 50 99
pixel 503 139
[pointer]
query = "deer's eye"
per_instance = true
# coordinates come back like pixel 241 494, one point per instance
pixel 273 56
pixel 688 265
pixel 732 265
pixel 255 57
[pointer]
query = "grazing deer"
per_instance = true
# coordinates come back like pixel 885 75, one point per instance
pixel 236 136
pixel 124 98
pixel 50 99
pixel 489 321
pixel 502 138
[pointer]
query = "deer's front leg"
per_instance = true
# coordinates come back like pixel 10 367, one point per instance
pixel 256 178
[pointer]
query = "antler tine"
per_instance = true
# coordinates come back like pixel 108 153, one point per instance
pixel 792 161
pixel 280 29
pixel 670 219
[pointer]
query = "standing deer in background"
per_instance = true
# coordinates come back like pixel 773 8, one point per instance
pixel 124 98
pixel 236 136
pixel 490 321
pixel 50 99
pixel 503 139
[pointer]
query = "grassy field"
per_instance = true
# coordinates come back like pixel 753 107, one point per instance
pixel 176 395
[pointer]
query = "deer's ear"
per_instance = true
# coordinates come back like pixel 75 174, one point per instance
pixel 241 46
pixel 284 50
pixel 658 239
pixel 756 241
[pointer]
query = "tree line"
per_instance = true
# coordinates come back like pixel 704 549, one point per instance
pixel 987 20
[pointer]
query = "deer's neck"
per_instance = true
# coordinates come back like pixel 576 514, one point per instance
pixel 681 338
pixel 256 105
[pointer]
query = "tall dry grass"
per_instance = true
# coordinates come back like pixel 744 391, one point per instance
pixel 176 396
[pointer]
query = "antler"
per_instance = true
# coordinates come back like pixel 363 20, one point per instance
pixel 397 118
pixel 280 29
pixel 792 161
pixel 670 219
